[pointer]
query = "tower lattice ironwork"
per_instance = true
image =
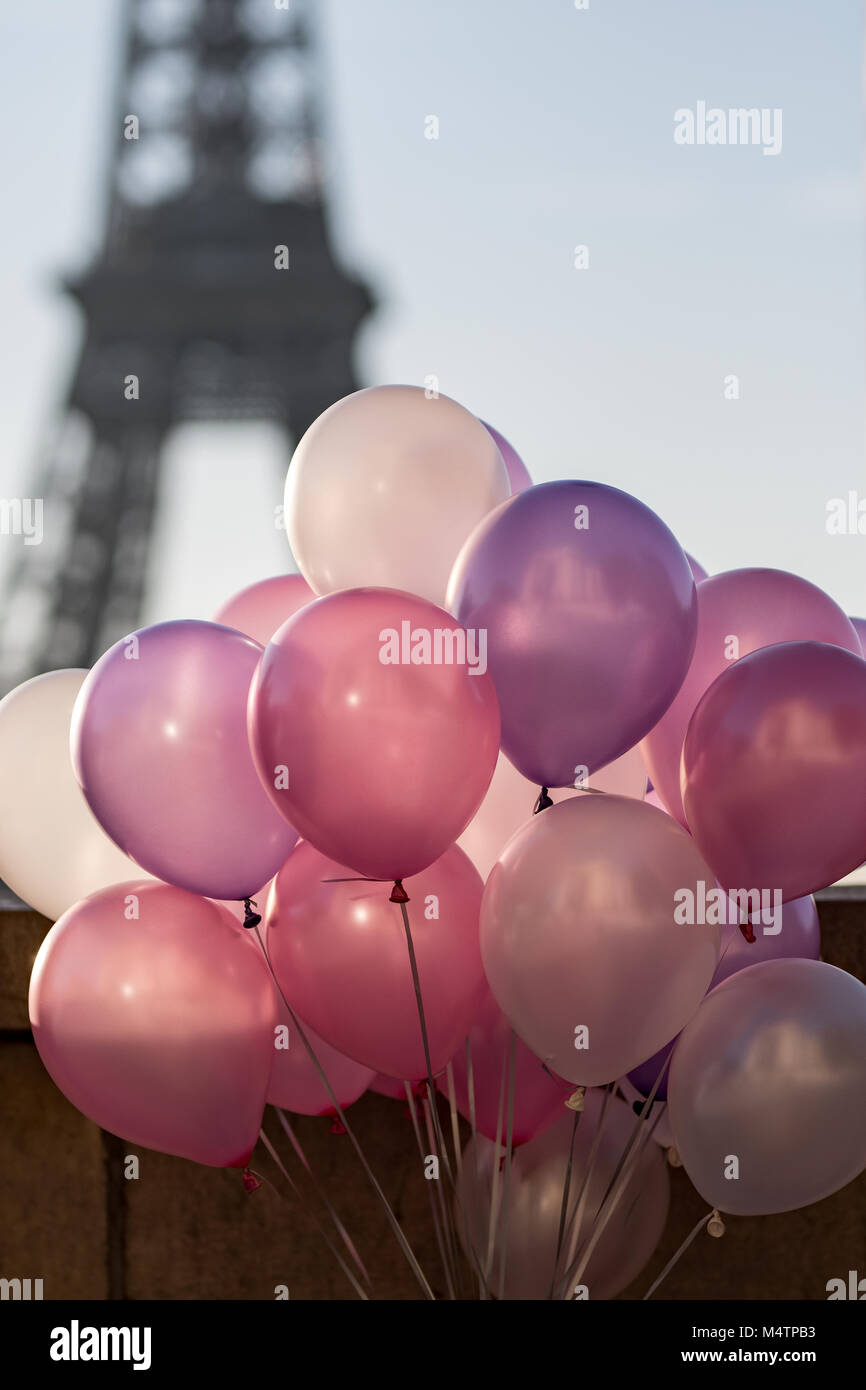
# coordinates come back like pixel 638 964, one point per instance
pixel 215 185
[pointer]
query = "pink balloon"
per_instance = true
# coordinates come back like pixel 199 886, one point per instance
pixel 859 626
pixel 159 746
pixel 698 572
pixel 295 1082
pixel 390 1086
pixel 518 473
pixel 539 1098
pixel 589 605
pixel 157 1021
pixel 774 769
pixel 511 798
pixel 738 612
pixel 261 608
pixel 369 735
pixel 339 952
pixel 579 937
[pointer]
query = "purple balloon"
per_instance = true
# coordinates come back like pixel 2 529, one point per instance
pixel 798 937
pixel 159 746
pixel 774 769
pixel 590 612
pixel 859 626
pixel 518 474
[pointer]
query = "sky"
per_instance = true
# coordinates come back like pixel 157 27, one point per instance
pixel 556 130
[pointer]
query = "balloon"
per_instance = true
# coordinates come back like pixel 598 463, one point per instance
pixel 391 1087
pixel 157 1021
pixel 295 1082
pixel 538 1097
pixel 770 1075
pixel 378 761
pixel 538 1170
pixel 384 488
pixel 518 474
pixel 510 800
pixel 579 939
pixel 799 934
pixel 338 948
pixel 589 606
pixel 698 571
pixel 738 612
pixel 52 850
pixel 859 626
pixel 159 746
pixel 774 769
pixel 263 607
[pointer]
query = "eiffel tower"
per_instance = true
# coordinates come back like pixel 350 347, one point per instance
pixel 215 295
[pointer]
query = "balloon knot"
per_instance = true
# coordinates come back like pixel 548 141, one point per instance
pixel 250 1181
pixel 542 803
pixel 746 929
pixel 251 919
pixel 398 892
pixel 337 1126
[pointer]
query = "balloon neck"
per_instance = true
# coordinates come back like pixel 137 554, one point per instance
pixel 337 1126
pixel 542 803
pixel 746 929
pixel 251 919
pixel 398 892
pixel 250 1181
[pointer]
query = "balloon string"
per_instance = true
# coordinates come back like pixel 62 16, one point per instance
pixel 442 1234
pixel 386 1206
pixel 621 1177
pixel 322 1232
pixel 704 1221
pixel 509 1131
pixel 455 1123
pixel 494 1185
pixel 322 1195
pixel 563 1211
pixel 483 1291
pixel 401 898
pixel 575 1221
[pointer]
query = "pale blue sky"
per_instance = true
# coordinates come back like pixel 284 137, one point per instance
pixel 556 128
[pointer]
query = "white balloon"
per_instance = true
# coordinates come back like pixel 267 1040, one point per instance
pixel 384 489
pixel 511 797
pixel 53 851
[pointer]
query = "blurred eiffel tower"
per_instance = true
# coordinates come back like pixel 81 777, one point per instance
pixel 215 166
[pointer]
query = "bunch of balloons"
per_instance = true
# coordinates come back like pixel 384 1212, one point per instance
pixel 423 760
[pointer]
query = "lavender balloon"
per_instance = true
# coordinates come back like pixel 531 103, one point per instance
pixel 159 746
pixel 767 1098
pixel 590 612
pixel 798 937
